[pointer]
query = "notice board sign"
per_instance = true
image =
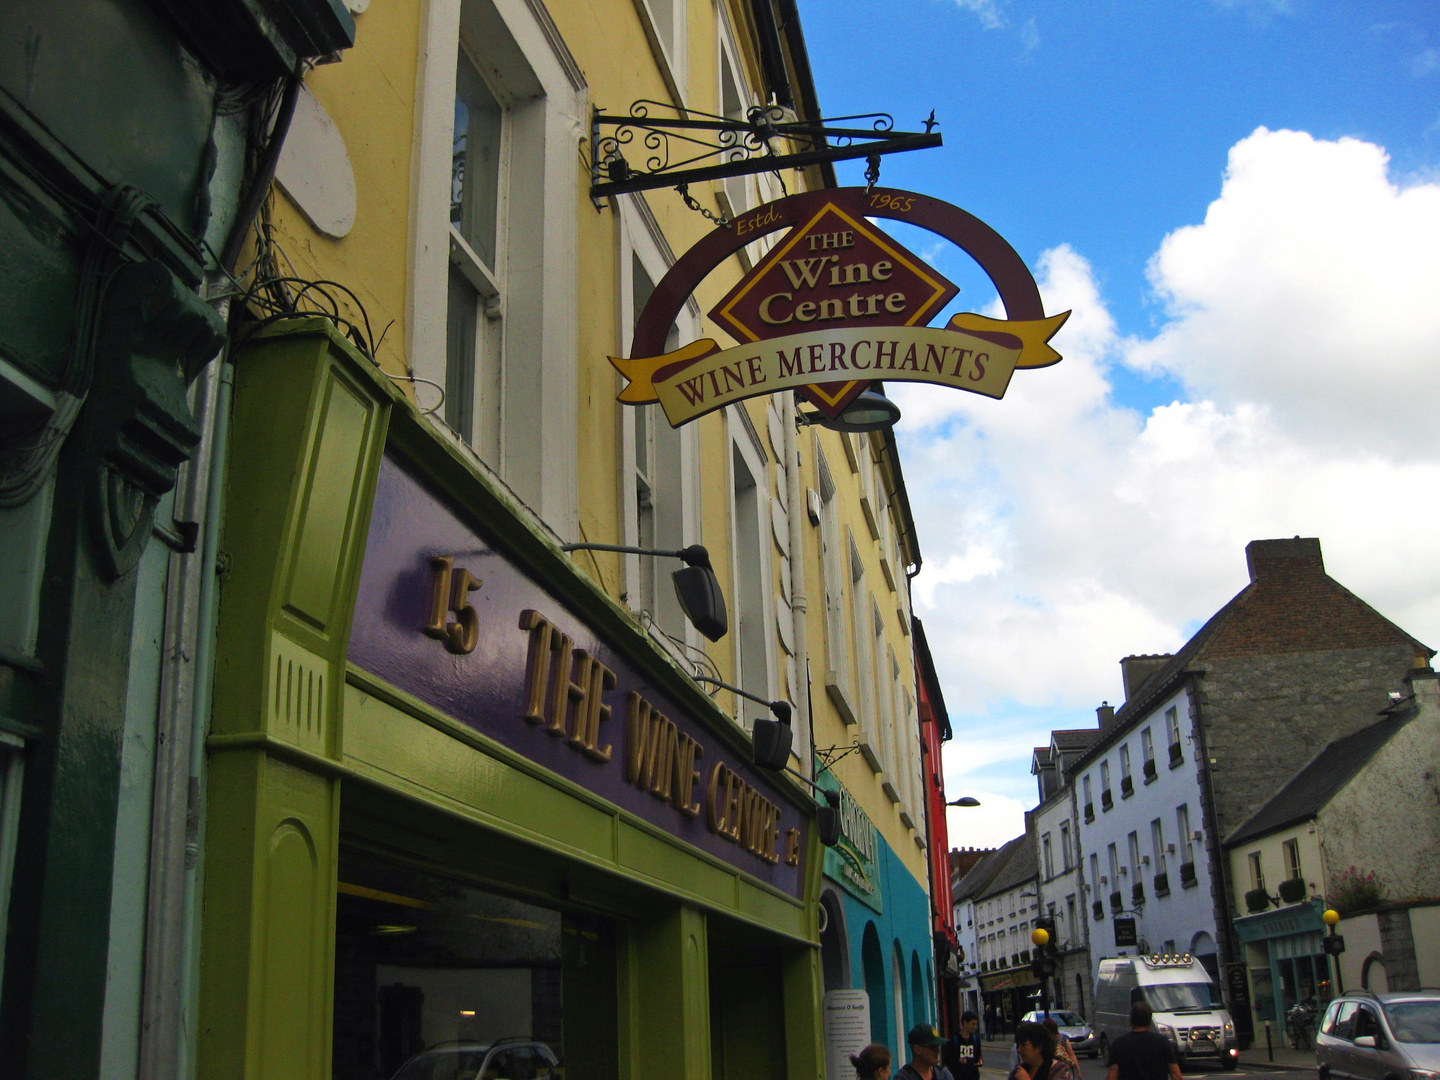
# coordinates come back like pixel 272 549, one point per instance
pixel 847 1030
pixel 1125 932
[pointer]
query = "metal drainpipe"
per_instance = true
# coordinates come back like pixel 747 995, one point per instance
pixel 1220 865
pixel 161 1008
pixel 798 603
pixel 209 549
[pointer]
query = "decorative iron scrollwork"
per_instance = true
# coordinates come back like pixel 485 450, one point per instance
pixel 685 146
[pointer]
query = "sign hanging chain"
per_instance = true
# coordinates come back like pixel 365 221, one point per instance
pixel 872 172
pixel 689 200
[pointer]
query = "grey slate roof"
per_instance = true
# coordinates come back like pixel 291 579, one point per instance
pixel 1074 738
pixel 974 882
pixel 1321 779
pixel 1021 864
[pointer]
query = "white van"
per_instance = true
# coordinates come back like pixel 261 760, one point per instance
pixel 1188 1008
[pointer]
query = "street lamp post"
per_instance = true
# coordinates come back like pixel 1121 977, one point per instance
pixel 1334 945
pixel 1040 937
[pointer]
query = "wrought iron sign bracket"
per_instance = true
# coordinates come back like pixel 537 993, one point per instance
pixel 829 755
pixel 691 146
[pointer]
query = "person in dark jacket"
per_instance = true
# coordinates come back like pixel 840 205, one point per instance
pixel 1142 1054
pixel 962 1054
pixel 924 1064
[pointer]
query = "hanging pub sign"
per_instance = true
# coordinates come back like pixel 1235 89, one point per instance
pixel 834 305
pixel 1125 932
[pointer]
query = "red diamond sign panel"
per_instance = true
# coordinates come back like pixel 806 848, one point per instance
pixel 833 271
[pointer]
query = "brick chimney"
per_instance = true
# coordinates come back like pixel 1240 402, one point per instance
pixel 1134 670
pixel 1106 714
pixel 1273 558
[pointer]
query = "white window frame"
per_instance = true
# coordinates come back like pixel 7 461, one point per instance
pixel 1187 843
pixel 745 442
pixel 1157 841
pixel 12 774
pixel 523 58
pixel 1290 849
pixel 668 44
pixel 835 572
pixel 639 238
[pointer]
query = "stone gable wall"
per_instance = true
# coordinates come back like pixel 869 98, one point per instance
pixel 1266 716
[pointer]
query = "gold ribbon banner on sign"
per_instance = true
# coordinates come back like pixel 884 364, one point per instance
pixel 971 353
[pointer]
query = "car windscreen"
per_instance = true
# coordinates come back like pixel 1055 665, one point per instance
pixel 1176 997
pixel 1068 1019
pixel 443 1065
pixel 1414 1021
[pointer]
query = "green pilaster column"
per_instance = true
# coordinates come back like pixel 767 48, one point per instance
pixel 308 435
pixel 671 980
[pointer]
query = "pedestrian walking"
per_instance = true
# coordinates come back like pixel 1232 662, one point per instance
pixel 962 1054
pixel 1142 1054
pixel 924 1064
pixel 872 1063
pixel 1063 1050
pixel 1036 1048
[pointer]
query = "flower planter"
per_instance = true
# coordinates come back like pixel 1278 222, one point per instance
pixel 1292 891
pixel 1256 900
pixel 1162 884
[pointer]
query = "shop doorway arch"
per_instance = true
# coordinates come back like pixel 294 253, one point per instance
pixel 834 943
pixel 919 1009
pixel 1202 947
pixel 1373 971
pixel 873 961
pixel 903 1020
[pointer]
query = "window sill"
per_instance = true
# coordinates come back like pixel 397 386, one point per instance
pixel 838 697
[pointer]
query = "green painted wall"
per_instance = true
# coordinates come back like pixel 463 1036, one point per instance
pixel 363 760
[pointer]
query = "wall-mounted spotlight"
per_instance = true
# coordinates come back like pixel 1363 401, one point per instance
pixel 770 739
pixel 770 742
pixel 696 587
pixel 870 411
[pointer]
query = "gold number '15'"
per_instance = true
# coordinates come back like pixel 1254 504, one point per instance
pixel 450 593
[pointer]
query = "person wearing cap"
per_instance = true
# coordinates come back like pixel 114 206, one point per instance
pixel 924 1064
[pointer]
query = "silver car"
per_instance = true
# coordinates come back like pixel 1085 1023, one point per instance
pixel 1392 1036
pixel 1073 1026
pixel 504 1059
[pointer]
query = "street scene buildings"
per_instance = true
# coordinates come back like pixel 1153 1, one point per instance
pixel 1240 774
pixel 460 610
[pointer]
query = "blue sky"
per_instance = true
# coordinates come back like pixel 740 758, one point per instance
pixel 1241 202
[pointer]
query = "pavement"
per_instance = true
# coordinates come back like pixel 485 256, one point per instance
pixel 1279 1059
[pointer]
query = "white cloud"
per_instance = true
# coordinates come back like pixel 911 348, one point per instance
pixel 1062 531
pixel 1311 285
pixel 1030 34
pixel 987 11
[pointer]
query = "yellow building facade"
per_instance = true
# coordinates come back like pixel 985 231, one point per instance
pixel 436 829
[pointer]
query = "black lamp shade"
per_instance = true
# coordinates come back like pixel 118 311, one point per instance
pixel 771 741
pixel 827 822
pixel 701 600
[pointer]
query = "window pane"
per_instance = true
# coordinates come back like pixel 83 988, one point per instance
pixel 460 319
pixel 475 167
pixel 436 978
